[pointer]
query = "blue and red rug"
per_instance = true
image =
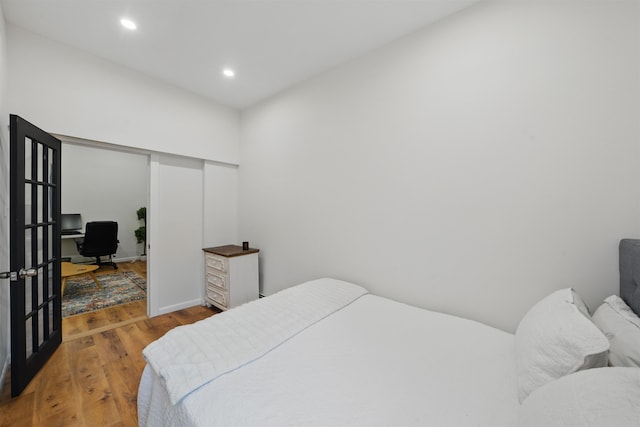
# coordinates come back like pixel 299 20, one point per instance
pixel 81 294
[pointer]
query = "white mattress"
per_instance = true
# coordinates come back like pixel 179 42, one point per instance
pixel 376 362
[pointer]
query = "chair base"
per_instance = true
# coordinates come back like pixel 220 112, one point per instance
pixel 100 263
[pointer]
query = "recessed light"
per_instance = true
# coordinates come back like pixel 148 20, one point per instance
pixel 228 72
pixel 128 24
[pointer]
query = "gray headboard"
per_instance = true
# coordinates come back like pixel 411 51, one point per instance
pixel 630 273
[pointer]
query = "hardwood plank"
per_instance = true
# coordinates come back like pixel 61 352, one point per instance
pixel 199 312
pixel 136 308
pixel 55 391
pixel 135 341
pixel 96 319
pixel 116 314
pixel 92 379
pixel 17 412
pixel 95 396
pixel 123 377
pixel 74 325
pixel 72 337
pixel 124 312
pixel 109 346
pixel 80 343
pixel 156 327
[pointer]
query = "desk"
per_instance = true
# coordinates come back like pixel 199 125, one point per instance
pixel 72 236
pixel 69 248
pixel 69 245
pixel 69 269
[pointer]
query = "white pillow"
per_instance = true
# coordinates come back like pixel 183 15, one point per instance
pixel 622 327
pixel 595 397
pixel 556 338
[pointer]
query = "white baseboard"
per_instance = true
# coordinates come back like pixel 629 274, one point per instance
pixel 126 259
pixel 180 306
pixel 5 368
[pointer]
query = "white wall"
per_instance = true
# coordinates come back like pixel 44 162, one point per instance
pixel 86 97
pixel 5 331
pixel 471 167
pixel 69 92
pixel 105 185
pixel 220 205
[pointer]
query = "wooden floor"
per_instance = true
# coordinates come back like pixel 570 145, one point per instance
pixel 92 379
pixel 82 325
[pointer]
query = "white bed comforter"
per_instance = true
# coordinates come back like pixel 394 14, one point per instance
pixel 376 362
pixel 190 356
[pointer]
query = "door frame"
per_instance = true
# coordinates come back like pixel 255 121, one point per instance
pixel 88 143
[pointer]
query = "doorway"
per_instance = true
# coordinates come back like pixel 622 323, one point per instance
pixel 104 182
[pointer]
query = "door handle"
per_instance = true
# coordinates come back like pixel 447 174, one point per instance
pixel 27 272
pixel 24 272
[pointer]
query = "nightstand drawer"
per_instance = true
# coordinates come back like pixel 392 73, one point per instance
pixel 217 280
pixel 216 297
pixel 217 263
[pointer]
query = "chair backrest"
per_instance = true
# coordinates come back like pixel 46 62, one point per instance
pixel 100 238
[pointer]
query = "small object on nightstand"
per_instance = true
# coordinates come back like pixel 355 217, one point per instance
pixel 245 246
pixel 231 275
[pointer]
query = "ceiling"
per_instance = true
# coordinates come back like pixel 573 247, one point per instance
pixel 270 44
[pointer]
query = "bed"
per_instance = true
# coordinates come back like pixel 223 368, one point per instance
pixel 328 353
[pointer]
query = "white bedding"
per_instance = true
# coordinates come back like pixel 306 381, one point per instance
pixel 375 362
pixel 190 356
pixel 593 397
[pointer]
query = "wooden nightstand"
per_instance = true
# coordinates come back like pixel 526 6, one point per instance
pixel 231 275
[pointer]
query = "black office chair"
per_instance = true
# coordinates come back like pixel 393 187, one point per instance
pixel 100 239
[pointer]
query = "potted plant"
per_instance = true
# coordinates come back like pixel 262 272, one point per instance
pixel 141 232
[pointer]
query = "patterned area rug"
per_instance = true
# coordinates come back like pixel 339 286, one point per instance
pixel 81 294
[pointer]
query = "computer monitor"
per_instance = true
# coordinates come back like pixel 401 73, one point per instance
pixel 70 223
